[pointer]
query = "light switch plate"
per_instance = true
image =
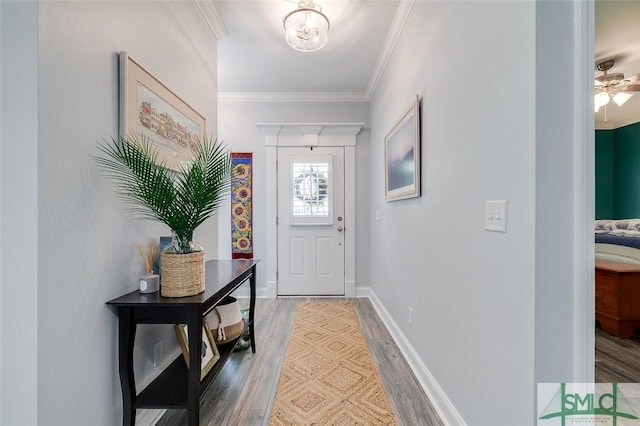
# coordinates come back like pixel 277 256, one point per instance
pixel 495 216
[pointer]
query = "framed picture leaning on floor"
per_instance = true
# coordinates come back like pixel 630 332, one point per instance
pixel 209 352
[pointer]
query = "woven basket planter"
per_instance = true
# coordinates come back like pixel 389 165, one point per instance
pixel 182 274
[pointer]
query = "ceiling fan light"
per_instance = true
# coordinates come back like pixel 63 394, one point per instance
pixel 601 99
pixel 621 97
pixel 306 28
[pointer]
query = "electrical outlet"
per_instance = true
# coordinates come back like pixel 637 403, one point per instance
pixel 410 316
pixel 158 350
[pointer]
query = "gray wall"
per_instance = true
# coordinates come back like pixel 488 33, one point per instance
pixel 565 193
pixel 472 291
pixel 86 242
pixel 19 213
pixel 477 296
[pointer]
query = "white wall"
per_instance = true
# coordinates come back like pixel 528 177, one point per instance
pixel 472 291
pixel 19 213
pixel 87 242
pixel 237 127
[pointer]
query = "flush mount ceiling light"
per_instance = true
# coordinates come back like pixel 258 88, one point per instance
pixel 306 27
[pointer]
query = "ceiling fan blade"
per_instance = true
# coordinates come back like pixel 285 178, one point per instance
pixel 632 88
pixel 633 78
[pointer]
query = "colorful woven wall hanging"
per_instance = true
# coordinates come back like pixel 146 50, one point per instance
pixel 241 205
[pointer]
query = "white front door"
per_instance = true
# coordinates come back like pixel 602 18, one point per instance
pixel 311 222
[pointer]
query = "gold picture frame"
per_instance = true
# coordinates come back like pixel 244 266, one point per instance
pixel 210 354
pixel 150 110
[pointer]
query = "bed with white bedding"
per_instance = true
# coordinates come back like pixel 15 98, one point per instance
pixel 618 240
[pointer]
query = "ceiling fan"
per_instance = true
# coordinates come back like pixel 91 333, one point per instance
pixel 613 86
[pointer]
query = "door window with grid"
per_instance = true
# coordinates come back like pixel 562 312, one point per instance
pixel 310 190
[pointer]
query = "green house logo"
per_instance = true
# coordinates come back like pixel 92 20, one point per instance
pixel 601 404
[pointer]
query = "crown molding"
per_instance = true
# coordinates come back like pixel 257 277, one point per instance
pixel 212 18
pixel 292 97
pixel 397 25
pixel 611 125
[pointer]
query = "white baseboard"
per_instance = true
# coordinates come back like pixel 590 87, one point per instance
pixel 272 289
pixel 349 289
pixel 445 409
pixel 363 292
pixel 245 293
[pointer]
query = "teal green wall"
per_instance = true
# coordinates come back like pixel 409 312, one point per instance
pixel 604 174
pixel 618 173
pixel 626 171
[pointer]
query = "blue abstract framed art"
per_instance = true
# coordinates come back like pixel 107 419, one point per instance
pixel 402 156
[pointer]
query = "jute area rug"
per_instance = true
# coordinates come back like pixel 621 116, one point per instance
pixel 328 377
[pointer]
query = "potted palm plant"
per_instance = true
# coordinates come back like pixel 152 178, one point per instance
pixel 182 200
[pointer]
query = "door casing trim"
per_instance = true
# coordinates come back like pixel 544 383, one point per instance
pixel 308 135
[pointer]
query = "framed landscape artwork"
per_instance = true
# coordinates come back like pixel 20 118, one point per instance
pixel 151 110
pixel 402 156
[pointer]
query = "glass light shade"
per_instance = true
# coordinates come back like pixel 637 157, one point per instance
pixel 306 29
pixel 621 98
pixel 601 99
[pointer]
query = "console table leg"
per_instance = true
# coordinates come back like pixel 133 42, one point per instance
pixel 126 339
pixel 252 307
pixel 195 361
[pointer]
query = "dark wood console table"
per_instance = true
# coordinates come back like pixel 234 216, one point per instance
pixel 178 386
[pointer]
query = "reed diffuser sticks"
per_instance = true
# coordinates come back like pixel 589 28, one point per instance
pixel 150 257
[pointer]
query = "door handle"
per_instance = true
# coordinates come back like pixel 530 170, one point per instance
pixel 340 228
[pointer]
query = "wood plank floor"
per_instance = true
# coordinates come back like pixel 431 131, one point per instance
pixel 617 360
pixel 244 391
